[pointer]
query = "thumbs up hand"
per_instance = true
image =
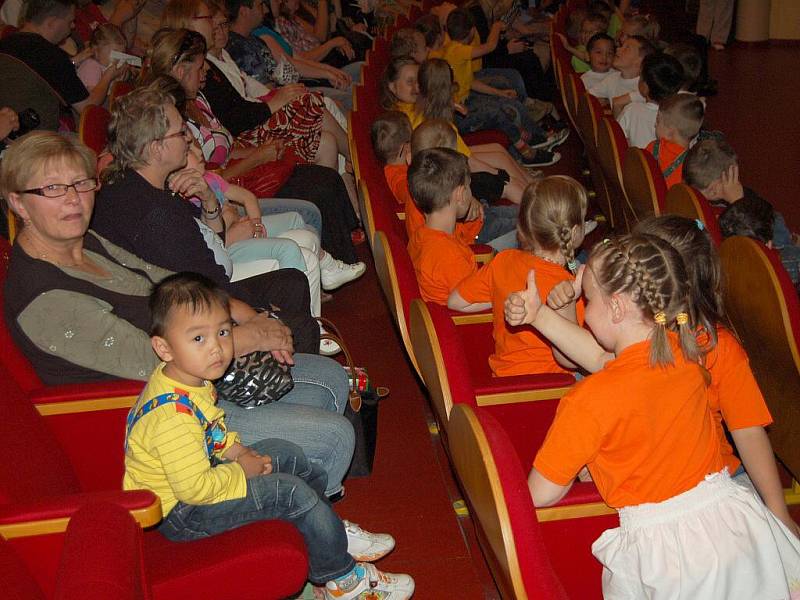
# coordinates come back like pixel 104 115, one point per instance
pixel 566 292
pixel 521 307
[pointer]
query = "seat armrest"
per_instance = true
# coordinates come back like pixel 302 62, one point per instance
pixel 85 397
pixel 52 515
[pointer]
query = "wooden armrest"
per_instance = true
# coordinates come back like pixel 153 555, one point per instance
pixel 85 397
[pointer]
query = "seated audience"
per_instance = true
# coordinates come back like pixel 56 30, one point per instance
pixel 616 89
pixel 438 180
pixel 76 304
pixel 409 42
pixel 662 77
pixel 601 56
pixel 678 122
pixel 592 24
pixel 105 39
pixel 550 232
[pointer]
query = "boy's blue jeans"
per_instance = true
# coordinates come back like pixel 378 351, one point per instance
pixel 292 492
pixel 499 226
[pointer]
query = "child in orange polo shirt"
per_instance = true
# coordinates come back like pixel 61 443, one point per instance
pixel 550 230
pixel 678 122
pixel 438 179
pixel 642 427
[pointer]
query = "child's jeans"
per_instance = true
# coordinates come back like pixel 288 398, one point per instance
pixel 292 492
pixel 503 79
pixel 499 226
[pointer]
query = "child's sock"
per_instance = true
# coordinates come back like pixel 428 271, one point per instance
pixel 349 581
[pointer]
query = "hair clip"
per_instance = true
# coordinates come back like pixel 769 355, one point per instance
pixel 682 318
pixel 573 265
pixel 660 318
pixel 606 241
pixel 700 225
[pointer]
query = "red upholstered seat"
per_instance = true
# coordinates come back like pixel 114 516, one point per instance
pixel 487 136
pixel 687 202
pixel 93 127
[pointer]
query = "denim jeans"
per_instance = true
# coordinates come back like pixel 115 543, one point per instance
pixel 307 210
pixel 499 226
pixel 503 79
pixel 290 493
pixel 507 115
pixel 306 416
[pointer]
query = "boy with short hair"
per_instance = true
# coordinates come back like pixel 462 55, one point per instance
pixel 712 168
pixel 601 50
pixel 591 25
pixel 661 77
pixel 678 122
pixel 409 42
pixel 616 89
pixel 178 447
pixel 438 179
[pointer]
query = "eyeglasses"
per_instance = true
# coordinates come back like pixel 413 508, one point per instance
pixel 203 17
pixel 222 25
pixel 184 132
pixel 57 190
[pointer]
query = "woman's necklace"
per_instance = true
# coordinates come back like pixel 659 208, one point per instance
pixel 45 256
pixel 548 259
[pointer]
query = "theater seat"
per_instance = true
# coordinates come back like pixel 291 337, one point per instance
pixel 93 127
pixel 687 202
pixel 644 183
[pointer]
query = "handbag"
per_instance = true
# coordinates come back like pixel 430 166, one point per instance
pixel 266 179
pixel 362 408
pixel 255 379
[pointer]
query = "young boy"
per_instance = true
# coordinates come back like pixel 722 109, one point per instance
pixel 438 179
pixel 662 77
pixel 409 42
pixel 712 168
pixel 178 447
pixel 615 90
pixel 754 217
pixel 592 24
pixel 678 122
pixel 601 56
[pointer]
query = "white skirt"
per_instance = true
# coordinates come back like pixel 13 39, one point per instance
pixel 716 541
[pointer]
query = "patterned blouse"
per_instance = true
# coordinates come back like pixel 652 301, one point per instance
pixel 215 141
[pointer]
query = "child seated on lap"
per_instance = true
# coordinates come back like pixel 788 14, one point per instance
pixel 601 56
pixel 438 179
pixel 662 77
pixel 550 231
pixel 677 124
pixel 177 446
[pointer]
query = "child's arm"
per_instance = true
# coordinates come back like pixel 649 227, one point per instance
pixel 756 453
pixel 457 302
pixel 543 491
pixel 576 52
pixel 246 198
pixel 485 88
pixel 252 463
pixel 491 40
pixel 574 342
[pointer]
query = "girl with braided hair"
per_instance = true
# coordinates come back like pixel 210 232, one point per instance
pixel 642 426
pixel 549 230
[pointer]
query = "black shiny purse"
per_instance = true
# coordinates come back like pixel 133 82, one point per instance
pixel 255 379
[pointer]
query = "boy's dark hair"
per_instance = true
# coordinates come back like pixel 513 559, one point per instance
pixel 690 60
pixel 183 289
pixel 684 112
pixel 459 25
pixel 598 37
pixel 232 8
pixel 36 11
pixel 430 28
pixel 601 7
pixel 646 47
pixel 434 175
pixel 751 216
pixel 404 42
pixel 388 134
pixel 663 75
pixel 706 161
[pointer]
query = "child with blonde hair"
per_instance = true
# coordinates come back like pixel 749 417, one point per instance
pixel 678 122
pixel 550 230
pixel 105 39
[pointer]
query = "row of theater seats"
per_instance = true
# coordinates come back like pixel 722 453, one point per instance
pixel 491 427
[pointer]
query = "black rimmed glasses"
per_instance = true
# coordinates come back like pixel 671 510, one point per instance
pixel 57 190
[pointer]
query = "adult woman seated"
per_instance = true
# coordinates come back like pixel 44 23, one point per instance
pixel 77 304
pixel 235 113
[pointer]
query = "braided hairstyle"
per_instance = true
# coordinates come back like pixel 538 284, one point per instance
pixel 701 259
pixel 551 207
pixel 653 274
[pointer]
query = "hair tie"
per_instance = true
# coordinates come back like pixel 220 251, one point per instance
pixel 660 318
pixel 682 318
pixel 573 265
pixel 700 225
pixel 606 241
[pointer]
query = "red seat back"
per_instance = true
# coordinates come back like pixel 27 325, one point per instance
pixel 93 127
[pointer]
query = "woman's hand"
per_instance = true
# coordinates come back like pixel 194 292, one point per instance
pixel 189 183
pixel 339 79
pixel 9 121
pixel 244 228
pixel 516 46
pixel 272 336
pixel 271 151
pixel 343 46
pixel 521 307
pixel 284 95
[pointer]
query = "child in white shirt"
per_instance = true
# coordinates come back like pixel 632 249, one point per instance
pixel 628 64
pixel 601 56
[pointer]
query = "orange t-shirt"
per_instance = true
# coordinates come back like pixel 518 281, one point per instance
pixel 517 350
pixel 645 433
pixel 668 153
pixel 397 178
pixel 441 261
pixel 734 395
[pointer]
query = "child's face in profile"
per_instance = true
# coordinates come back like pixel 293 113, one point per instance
pixel 406 87
pixel 598 314
pixel 196 346
pixel 195 159
pixel 103 53
pixel 627 56
pixel 420 53
pixel 601 56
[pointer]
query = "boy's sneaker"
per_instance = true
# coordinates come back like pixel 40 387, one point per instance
pixel 558 138
pixel 365 546
pixel 336 273
pixel 365 582
pixel 543 158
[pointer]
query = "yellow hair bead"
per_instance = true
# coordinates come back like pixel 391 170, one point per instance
pixel 682 318
pixel 660 318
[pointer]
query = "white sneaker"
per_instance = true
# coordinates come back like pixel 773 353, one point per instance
pixel 336 273
pixel 366 582
pixel 329 348
pixel 589 226
pixel 365 546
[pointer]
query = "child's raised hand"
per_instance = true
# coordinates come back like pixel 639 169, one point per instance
pixel 460 109
pixel 521 307
pixel 507 93
pixel 732 189
pixel 566 292
pixel 563 38
pixel 475 211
